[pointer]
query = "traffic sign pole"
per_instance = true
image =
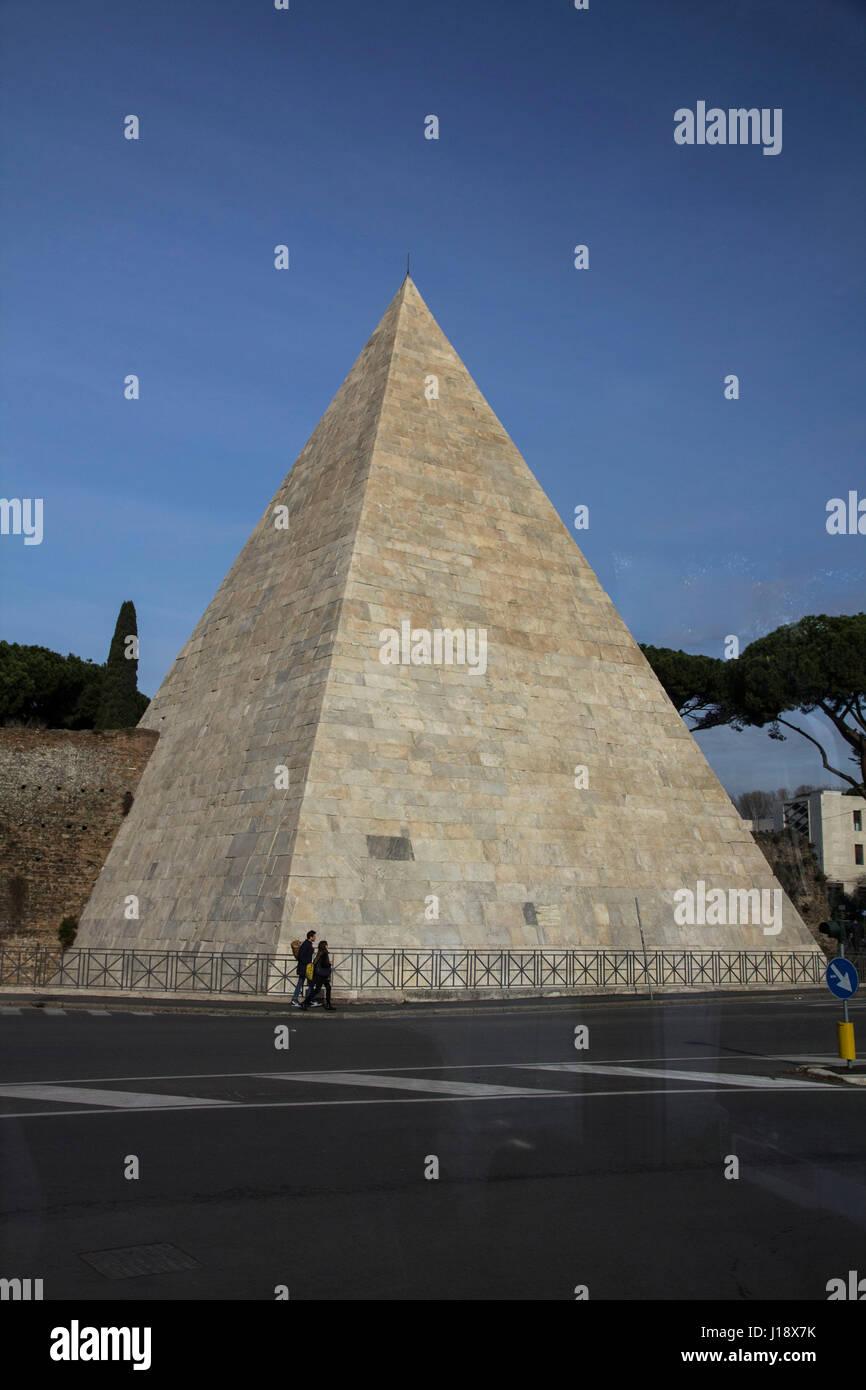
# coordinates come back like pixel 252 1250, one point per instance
pixel 845 1030
pixel 842 982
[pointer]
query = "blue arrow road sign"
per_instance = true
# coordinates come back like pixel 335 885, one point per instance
pixel 842 978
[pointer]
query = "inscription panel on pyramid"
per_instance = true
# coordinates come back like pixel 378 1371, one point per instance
pixel 430 803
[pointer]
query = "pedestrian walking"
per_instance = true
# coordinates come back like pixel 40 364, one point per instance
pixel 305 957
pixel 322 971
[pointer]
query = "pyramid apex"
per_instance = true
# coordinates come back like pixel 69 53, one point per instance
pixel 406 289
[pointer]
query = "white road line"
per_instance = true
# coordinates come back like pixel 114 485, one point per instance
pixel 46 1010
pixel 419 1100
pixel 119 1100
pixel 10 1011
pixel 99 1013
pixel 713 1078
pixel 404 1083
pixel 811 1058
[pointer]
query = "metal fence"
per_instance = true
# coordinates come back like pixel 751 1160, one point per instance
pixel 363 969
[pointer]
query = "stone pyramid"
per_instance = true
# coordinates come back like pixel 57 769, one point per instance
pixel 428 803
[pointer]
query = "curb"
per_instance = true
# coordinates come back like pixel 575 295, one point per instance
pixel 352 1008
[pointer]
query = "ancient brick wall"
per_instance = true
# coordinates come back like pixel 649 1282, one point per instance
pixel 63 797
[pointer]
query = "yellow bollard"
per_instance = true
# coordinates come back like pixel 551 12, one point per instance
pixel 846 1041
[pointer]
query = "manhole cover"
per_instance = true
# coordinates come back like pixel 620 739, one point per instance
pixel 133 1260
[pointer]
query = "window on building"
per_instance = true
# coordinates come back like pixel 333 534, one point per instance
pixel 858 820
pixel 858 854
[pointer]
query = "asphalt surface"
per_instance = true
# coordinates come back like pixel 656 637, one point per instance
pixel 558 1167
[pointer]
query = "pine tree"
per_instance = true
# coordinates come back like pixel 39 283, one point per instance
pixel 120 703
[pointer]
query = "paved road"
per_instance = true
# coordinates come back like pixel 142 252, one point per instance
pixel 558 1167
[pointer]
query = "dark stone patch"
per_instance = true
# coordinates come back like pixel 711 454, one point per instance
pixel 389 847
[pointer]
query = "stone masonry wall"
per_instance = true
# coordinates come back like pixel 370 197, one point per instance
pixel 63 797
pixel 425 804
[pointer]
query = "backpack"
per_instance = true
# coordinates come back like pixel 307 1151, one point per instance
pixel 296 946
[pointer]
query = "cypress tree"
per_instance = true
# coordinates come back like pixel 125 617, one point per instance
pixel 120 703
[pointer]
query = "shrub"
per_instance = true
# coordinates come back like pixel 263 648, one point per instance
pixel 66 931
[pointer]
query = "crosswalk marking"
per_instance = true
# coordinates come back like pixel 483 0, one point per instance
pixel 407 1083
pixel 92 1096
pixel 734 1078
pixel 117 1100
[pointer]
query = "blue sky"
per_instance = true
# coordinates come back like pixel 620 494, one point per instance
pixel 556 128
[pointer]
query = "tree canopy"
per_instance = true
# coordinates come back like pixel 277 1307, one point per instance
pixel 816 665
pixel 119 699
pixel 41 688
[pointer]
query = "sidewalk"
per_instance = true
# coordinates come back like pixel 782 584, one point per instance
pixel 254 1004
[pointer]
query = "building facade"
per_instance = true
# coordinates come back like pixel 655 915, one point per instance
pixel 836 825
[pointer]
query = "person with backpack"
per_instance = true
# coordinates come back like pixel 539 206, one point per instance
pixel 322 971
pixel 305 958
